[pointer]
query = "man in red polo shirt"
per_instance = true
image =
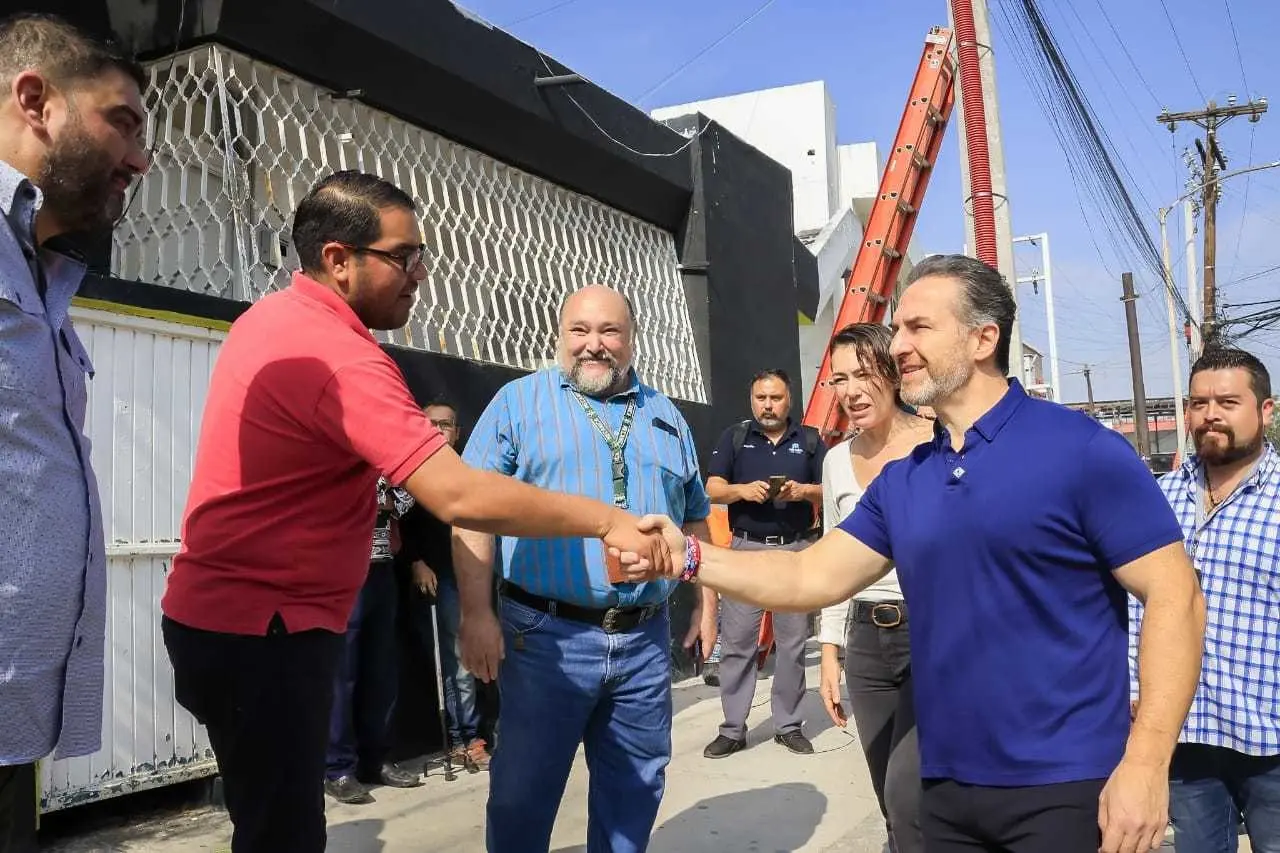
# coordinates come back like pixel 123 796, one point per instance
pixel 304 412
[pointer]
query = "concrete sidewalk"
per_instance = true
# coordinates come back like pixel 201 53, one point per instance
pixel 762 800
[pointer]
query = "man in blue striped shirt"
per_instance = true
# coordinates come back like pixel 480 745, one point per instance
pixel 584 660
pixel 1227 498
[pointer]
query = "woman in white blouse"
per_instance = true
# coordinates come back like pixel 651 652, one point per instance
pixel 872 626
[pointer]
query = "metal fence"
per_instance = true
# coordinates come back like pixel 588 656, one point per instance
pixel 237 143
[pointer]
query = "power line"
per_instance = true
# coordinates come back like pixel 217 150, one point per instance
pixel 540 13
pixel 1178 41
pixel 1128 56
pixel 740 25
pixel 1235 37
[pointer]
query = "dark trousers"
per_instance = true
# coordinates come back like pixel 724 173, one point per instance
pixel 877 668
pixel 17 808
pixel 265 702
pixel 364 685
pixel 958 818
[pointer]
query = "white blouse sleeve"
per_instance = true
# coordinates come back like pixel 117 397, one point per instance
pixel 833 624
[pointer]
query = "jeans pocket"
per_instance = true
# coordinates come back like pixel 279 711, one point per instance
pixel 519 619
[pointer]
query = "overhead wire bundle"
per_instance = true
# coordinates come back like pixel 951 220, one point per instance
pixel 1089 149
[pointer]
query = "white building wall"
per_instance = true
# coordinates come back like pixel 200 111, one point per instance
pixel 146 401
pixel 794 125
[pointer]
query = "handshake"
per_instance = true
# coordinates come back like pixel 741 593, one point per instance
pixel 644 549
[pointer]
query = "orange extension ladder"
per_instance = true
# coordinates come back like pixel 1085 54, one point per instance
pixel 893 216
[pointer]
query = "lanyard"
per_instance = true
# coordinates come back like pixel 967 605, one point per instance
pixel 617 444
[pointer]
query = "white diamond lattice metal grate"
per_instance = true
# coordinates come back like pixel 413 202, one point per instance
pixel 237 143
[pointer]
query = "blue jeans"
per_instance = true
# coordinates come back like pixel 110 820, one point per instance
pixel 565 683
pixel 459 683
pixel 366 680
pixel 1211 787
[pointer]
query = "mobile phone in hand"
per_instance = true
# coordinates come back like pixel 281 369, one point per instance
pixel 776 482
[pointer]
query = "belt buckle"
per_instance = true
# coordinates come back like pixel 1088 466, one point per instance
pixel 774 539
pixel 893 608
pixel 610 622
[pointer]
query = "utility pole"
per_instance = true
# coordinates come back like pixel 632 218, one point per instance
pixel 1175 351
pixel 1211 118
pixel 1088 384
pixel 1045 273
pixel 995 151
pixel 1140 435
pixel 1193 297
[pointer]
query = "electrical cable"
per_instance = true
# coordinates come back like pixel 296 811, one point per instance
pixel 1178 41
pixel 740 25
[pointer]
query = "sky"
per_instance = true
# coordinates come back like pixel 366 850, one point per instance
pixel 1150 55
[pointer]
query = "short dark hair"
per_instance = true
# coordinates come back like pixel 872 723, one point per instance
pixel 871 342
pixel 441 401
pixel 1228 358
pixel 984 296
pixel 343 208
pixel 61 51
pixel 772 373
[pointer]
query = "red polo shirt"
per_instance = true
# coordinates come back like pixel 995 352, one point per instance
pixel 304 411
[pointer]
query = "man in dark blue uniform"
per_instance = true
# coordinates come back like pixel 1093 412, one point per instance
pixel 768 470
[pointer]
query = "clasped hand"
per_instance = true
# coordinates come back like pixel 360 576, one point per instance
pixel 647 548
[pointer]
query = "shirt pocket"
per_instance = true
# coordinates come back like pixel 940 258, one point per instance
pixel 27 363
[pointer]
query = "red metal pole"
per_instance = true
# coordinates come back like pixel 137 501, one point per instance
pixel 975 126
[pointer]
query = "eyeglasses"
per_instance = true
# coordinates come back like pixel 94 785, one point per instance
pixel 443 425
pixel 407 261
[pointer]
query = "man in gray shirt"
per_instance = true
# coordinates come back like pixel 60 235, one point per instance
pixel 71 130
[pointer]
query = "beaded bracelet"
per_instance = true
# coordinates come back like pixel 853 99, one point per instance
pixel 692 559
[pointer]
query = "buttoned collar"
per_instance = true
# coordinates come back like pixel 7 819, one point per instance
pixel 19 200
pixel 307 288
pixel 989 425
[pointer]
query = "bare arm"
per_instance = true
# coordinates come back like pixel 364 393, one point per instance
pixel 832 569
pixel 1169 650
pixel 721 491
pixel 473 565
pixel 462 496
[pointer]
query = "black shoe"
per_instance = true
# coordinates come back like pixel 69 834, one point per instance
pixel 394 777
pixel 711 675
pixel 723 747
pixel 346 789
pixel 795 741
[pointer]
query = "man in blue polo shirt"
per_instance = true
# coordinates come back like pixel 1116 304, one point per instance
pixel 583 660
pixel 768 470
pixel 1015 535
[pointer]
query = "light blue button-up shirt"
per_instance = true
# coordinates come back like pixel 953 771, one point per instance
pixel 53 561
pixel 536 431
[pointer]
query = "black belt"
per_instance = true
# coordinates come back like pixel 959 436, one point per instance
pixel 882 614
pixel 776 539
pixel 613 620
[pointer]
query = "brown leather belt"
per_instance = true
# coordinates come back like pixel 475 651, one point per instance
pixel 612 620
pixel 882 614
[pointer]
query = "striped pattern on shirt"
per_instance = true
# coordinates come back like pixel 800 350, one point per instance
pixel 535 430
pixel 1236 552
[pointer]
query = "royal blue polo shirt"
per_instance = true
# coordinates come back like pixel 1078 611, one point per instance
pixel 1005 551
pixel 758 460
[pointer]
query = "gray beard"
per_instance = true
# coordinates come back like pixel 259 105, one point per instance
pixel 594 386
pixel 936 389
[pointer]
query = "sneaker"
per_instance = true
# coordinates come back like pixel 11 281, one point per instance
pixel 795 741
pixel 395 777
pixel 347 789
pixel 478 754
pixel 723 747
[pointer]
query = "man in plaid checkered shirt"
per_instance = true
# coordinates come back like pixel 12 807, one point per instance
pixel 1227 497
